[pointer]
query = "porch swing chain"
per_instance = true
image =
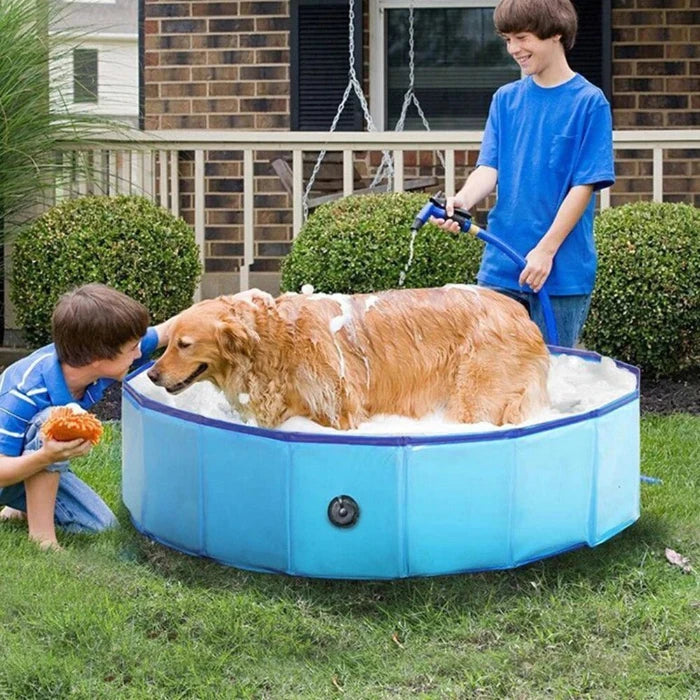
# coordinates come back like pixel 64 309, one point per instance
pixel 353 84
pixel 410 94
pixel 386 167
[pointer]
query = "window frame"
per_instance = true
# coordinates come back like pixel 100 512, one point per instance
pixel 96 94
pixel 377 53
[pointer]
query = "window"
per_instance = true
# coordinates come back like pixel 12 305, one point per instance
pixel 460 61
pixel 320 62
pixel 85 76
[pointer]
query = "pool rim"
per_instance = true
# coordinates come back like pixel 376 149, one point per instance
pixel 393 440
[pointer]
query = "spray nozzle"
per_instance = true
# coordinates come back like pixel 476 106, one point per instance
pixel 436 207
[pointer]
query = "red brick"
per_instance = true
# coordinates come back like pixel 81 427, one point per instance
pixel 676 85
pixel 264 7
pixel 663 101
pixel 207 73
pixel 272 121
pixel 231 121
pixel 183 89
pixel 182 121
pixel 167 75
pixel 268 87
pixel 662 34
pixel 272 56
pixel 230 57
pixel 214 9
pixel 215 106
pixel 231 88
pixel 216 41
pixel 183 58
pixel 266 40
pixel 684 119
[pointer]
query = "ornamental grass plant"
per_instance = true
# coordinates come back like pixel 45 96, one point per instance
pixel 34 113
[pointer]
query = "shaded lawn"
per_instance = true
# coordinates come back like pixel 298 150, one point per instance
pixel 118 616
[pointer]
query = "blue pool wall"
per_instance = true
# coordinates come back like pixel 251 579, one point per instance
pixel 258 499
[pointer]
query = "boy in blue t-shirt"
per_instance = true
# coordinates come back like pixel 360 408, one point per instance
pixel 98 334
pixel 548 146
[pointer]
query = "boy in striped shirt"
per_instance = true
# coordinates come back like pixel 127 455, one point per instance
pixel 99 333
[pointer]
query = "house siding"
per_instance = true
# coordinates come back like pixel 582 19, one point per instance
pixel 225 65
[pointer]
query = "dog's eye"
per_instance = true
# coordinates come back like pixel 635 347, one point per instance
pixel 183 344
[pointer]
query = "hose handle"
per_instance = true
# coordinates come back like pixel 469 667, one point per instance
pixel 461 216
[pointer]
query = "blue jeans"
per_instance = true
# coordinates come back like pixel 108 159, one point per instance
pixel 78 507
pixel 570 312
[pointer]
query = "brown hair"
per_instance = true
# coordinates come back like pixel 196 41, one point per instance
pixel 544 18
pixel 93 322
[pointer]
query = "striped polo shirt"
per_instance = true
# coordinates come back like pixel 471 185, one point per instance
pixel 36 382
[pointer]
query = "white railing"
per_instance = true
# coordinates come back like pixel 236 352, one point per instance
pixel 148 163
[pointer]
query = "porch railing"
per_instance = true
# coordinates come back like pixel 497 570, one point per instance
pixel 148 163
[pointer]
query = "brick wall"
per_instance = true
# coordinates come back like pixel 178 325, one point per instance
pixel 656 84
pixel 225 65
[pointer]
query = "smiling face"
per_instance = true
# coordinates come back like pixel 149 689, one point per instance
pixel 536 57
pixel 117 367
pixel 207 341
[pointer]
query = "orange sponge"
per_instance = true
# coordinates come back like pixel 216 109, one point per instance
pixel 65 424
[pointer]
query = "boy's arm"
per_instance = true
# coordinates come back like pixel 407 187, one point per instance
pixel 480 183
pixel 541 257
pixel 16 469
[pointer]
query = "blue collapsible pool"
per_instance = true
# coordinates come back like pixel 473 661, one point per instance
pixel 371 507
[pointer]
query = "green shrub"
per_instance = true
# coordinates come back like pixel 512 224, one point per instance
pixel 646 303
pixel 361 244
pixel 126 242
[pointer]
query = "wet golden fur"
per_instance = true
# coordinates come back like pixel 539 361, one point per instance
pixel 405 352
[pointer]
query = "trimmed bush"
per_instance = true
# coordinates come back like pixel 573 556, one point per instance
pixel 361 244
pixel 646 303
pixel 126 242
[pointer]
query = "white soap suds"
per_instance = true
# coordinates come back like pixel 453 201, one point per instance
pixel 575 385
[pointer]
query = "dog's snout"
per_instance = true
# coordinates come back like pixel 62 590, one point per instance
pixel 154 374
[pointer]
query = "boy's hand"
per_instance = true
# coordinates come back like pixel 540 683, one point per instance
pixel 59 450
pixel 163 331
pixel 535 273
pixel 448 224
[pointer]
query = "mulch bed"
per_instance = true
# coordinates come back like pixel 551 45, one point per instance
pixel 679 395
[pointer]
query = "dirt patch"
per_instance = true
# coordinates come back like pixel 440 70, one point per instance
pixel 679 395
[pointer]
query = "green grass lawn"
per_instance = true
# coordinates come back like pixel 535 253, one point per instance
pixel 118 616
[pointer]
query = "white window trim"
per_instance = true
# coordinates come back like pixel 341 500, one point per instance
pixel 377 57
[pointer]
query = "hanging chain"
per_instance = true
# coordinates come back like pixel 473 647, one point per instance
pixel 386 167
pixel 353 85
pixel 410 94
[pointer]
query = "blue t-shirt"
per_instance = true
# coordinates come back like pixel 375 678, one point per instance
pixel 543 142
pixel 35 382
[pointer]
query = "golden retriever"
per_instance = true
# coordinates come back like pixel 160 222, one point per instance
pixel 339 359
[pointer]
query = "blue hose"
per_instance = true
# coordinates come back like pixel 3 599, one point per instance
pixel 436 207
pixel 549 322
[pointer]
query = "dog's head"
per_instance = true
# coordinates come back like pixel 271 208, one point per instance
pixel 213 340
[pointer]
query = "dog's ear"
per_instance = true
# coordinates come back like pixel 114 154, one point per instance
pixel 235 337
